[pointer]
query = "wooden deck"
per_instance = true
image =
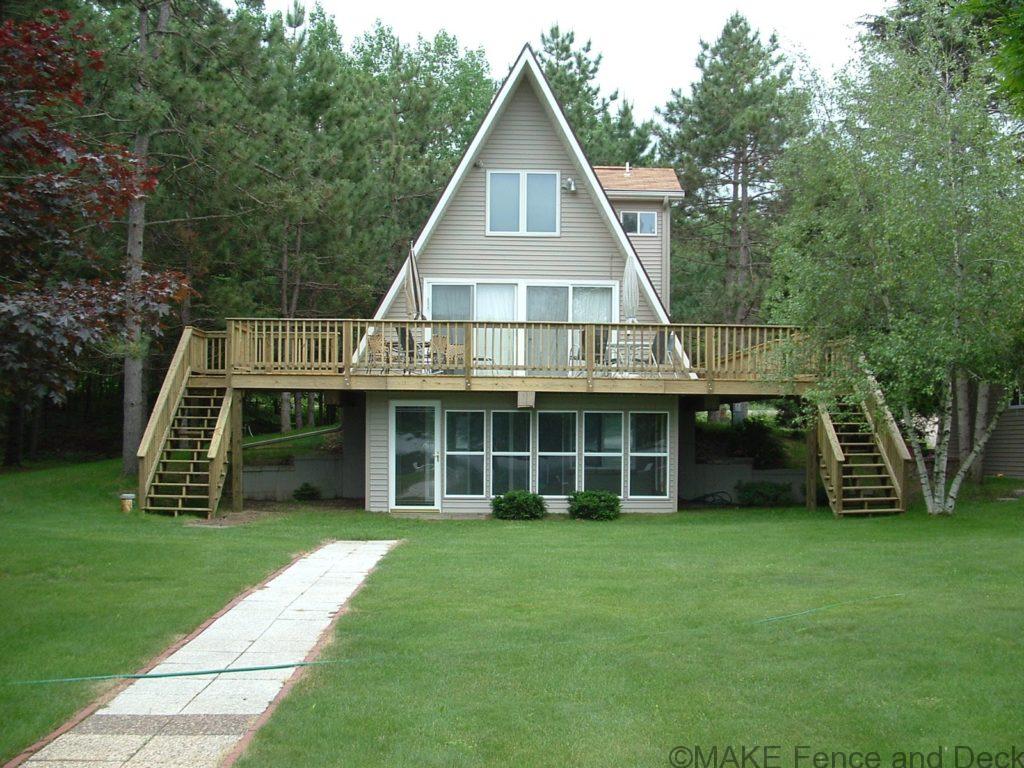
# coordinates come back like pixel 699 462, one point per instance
pixel 290 354
pixel 195 429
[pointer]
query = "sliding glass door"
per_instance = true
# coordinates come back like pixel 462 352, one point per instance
pixel 547 349
pixel 414 455
pixel 540 350
pixel 495 346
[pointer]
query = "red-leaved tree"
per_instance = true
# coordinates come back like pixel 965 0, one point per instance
pixel 57 297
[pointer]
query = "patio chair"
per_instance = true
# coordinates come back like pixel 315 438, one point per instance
pixel 379 353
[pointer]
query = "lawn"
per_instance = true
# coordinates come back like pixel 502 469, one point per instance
pixel 552 643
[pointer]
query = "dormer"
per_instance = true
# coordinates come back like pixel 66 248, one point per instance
pixel 642 199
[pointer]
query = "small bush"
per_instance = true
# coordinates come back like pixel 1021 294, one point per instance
pixel 306 492
pixel 519 505
pixel 594 505
pixel 763 494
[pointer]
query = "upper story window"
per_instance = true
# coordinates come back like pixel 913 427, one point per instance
pixel 639 222
pixel 522 202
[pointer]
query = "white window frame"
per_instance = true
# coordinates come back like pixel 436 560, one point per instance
pixel 1017 399
pixel 638 233
pixel 665 455
pixel 575 454
pixel 492 453
pixel 482 453
pixel 522 231
pixel 521 286
pixel 584 453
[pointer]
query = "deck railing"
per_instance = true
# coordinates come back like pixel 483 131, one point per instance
pixel 217 455
pixel 490 348
pixel 208 351
pixel 832 459
pixel 895 454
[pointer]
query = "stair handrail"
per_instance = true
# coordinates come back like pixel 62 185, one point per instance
pixel 159 424
pixel 889 439
pixel 832 456
pixel 217 456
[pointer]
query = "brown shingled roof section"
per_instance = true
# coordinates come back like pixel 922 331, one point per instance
pixel 614 177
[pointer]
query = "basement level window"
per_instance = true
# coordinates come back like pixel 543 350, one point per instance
pixel 639 222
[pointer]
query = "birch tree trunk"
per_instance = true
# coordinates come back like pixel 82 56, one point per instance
pixel 964 433
pixel 975 454
pixel 980 426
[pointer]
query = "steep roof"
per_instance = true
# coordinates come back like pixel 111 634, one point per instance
pixel 526 66
pixel 622 178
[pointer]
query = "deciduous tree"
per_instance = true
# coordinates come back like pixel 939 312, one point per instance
pixel 904 241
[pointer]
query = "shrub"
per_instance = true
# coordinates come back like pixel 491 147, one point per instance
pixel 519 505
pixel 306 492
pixel 594 505
pixel 763 493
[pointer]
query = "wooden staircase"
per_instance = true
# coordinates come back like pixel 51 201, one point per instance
pixel 184 454
pixel 181 480
pixel 863 460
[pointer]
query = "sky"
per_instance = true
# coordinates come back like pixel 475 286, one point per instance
pixel 649 48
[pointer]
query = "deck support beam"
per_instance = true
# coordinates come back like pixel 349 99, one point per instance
pixel 811 477
pixel 236 451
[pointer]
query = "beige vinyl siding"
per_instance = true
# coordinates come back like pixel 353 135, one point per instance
pixel 379 403
pixel 651 250
pixel 523 138
pixel 1004 453
pixel 377 447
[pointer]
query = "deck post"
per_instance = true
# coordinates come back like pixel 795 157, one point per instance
pixel 236 451
pixel 811 476
pixel 590 353
pixel 346 351
pixel 469 354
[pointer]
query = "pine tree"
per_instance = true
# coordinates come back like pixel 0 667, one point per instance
pixel 608 137
pixel 725 139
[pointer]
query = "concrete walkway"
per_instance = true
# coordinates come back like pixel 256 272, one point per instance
pixel 200 721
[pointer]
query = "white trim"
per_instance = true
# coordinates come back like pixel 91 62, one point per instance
pixel 521 286
pixel 482 453
pixel 392 406
pixel 527 63
pixel 528 453
pixel 644 194
pixel 638 214
pixel 523 231
pixel 575 454
pixel 1016 399
pixel 661 455
pixel 621 453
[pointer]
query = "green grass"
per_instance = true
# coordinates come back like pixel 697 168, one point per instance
pixel 301 444
pixel 551 643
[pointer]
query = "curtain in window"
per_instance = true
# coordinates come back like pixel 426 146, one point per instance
pixel 496 302
pixel 592 305
pixel 451 302
pixel 547 348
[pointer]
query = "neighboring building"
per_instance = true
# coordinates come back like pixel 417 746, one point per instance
pixel 1004 452
pixel 524 344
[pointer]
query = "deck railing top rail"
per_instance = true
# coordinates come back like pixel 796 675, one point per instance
pixel 470 349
